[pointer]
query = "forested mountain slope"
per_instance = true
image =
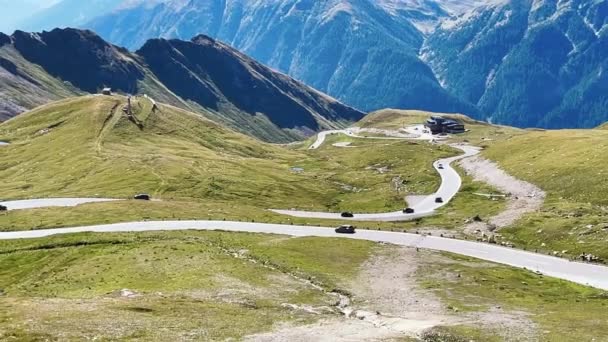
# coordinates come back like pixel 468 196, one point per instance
pixel 528 63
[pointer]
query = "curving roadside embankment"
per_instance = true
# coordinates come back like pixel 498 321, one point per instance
pixel 581 273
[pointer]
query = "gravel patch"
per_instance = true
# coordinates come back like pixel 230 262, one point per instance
pixel 523 197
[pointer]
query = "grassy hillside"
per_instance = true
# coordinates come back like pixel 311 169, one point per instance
pixel 570 166
pixel 91 148
pixel 567 164
pixel 201 170
pixel 200 286
pixel 217 285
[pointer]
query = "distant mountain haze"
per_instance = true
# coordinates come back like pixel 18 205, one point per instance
pixel 15 12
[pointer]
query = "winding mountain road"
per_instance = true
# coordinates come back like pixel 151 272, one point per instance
pixel 450 183
pixel 586 274
pixel 582 273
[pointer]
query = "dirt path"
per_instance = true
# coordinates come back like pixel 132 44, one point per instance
pixel 386 304
pixel 524 197
pixel 110 121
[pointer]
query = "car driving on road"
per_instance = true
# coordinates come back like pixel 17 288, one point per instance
pixel 408 210
pixel 347 214
pixel 3 208
pixel 142 197
pixel 345 229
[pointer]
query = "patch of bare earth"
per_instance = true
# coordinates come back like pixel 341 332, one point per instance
pixel 523 197
pixel 387 303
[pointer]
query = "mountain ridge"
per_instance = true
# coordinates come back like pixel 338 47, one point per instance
pixel 482 58
pixel 355 51
pixel 35 71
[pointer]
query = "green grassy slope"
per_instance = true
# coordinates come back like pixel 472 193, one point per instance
pixel 203 171
pixel 87 147
pixel 567 164
pixel 561 311
pixel 202 286
pixel 570 165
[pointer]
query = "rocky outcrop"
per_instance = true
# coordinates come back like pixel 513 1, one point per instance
pixel 80 57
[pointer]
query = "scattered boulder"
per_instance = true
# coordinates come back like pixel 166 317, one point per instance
pixel 589 257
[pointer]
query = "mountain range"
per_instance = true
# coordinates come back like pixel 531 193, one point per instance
pixel 359 51
pixel 201 75
pixel 526 63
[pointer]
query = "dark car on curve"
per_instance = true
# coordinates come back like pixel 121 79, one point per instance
pixel 408 210
pixel 345 229
pixel 438 200
pixel 347 214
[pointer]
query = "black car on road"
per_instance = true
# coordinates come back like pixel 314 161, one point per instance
pixel 408 210
pixel 347 214
pixel 3 208
pixel 438 200
pixel 142 197
pixel 345 229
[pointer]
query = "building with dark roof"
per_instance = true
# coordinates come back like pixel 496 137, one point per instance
pixel 438 125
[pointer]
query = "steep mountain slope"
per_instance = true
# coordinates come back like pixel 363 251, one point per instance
pixel 362 52
pixel 202 75
pixel 528 62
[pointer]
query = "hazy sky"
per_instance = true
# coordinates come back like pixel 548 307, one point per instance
pixel 14 11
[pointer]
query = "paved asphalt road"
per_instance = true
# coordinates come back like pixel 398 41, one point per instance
pixel 450 185
pixel 51 202
pixel 582 273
